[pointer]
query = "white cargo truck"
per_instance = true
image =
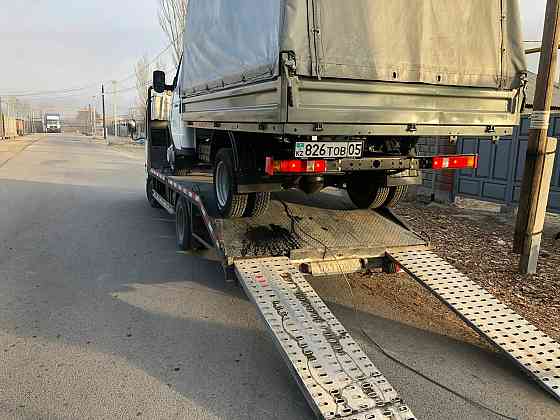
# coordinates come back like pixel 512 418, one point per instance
pixel 53 123
pixel 280 94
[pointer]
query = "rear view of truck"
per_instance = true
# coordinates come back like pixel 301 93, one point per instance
pixel 278 94
pixel 53 123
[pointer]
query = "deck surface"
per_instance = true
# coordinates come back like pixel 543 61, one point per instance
pixel 288 227
pixel 325 223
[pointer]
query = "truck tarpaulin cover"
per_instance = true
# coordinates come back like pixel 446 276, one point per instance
pixel 449 42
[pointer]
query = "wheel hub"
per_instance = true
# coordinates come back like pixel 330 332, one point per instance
pixel 222 184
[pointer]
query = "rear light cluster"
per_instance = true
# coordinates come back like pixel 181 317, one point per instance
pixel 455 162
pixel 294 166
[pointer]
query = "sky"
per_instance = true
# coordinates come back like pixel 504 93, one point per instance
pixel 61 44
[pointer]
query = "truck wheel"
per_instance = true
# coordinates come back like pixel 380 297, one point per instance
pixel 182 172
pixel 149 188
pixel 183 225
pixel 229 203
pixel 365 194
pixel 396 194
pixel 257 204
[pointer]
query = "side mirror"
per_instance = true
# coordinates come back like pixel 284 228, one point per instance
pixel 159 81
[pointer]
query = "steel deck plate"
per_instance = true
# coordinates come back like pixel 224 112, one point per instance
pixel 337 378
pixel 321 221
pixel 299 225
pixel 532 350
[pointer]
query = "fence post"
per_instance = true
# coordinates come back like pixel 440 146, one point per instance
pixel 540 150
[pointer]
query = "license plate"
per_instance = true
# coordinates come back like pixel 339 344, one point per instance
pixel 328 150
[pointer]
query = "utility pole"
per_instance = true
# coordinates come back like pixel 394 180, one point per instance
pixel 89 118
pixel 540 150
pixel 103 102
pixel 2 116
pixel 94 117
pixel 115 107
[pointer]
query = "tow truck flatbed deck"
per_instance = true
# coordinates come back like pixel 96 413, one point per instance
pixel 326 235
pixel 300 226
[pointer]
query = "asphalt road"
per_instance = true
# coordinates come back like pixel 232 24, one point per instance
pixel 102 318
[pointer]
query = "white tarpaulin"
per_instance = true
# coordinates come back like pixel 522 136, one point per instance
pixel 448 42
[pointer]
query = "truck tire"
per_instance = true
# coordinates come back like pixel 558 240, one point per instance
pixel 230 204
pixel 365 194
pixel 183 225
pixel 257 204
pixel 149 187
pixel 396 194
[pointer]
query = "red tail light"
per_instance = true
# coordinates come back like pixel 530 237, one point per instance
pixel 294 166
pixel 320 166
pixel 455 162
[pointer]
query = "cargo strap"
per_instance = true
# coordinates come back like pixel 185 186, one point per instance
pixel 530 349
pixel 335 375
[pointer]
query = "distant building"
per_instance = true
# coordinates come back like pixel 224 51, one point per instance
pixel 531 89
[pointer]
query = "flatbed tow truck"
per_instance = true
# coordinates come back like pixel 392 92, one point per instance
pixel 324 234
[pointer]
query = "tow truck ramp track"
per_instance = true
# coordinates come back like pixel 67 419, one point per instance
pixel 336 376
pixel 528 347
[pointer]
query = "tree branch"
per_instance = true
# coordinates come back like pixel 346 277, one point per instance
pixel 172 19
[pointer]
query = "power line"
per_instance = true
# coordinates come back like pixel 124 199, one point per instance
pixel 149 64
pixel 48 92
pixel 134 87
pixel 83 88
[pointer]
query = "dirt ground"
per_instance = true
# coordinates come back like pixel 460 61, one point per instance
pixel 476 239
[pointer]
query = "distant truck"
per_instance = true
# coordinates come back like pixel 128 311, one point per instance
pixel 53 123
pixel 279 94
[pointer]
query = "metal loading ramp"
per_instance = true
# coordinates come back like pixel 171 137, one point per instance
pixel 529 348
pixel 335 375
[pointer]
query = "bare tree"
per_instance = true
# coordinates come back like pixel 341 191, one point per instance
pixel 143 79
pixel 172 19
pixel 160 65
